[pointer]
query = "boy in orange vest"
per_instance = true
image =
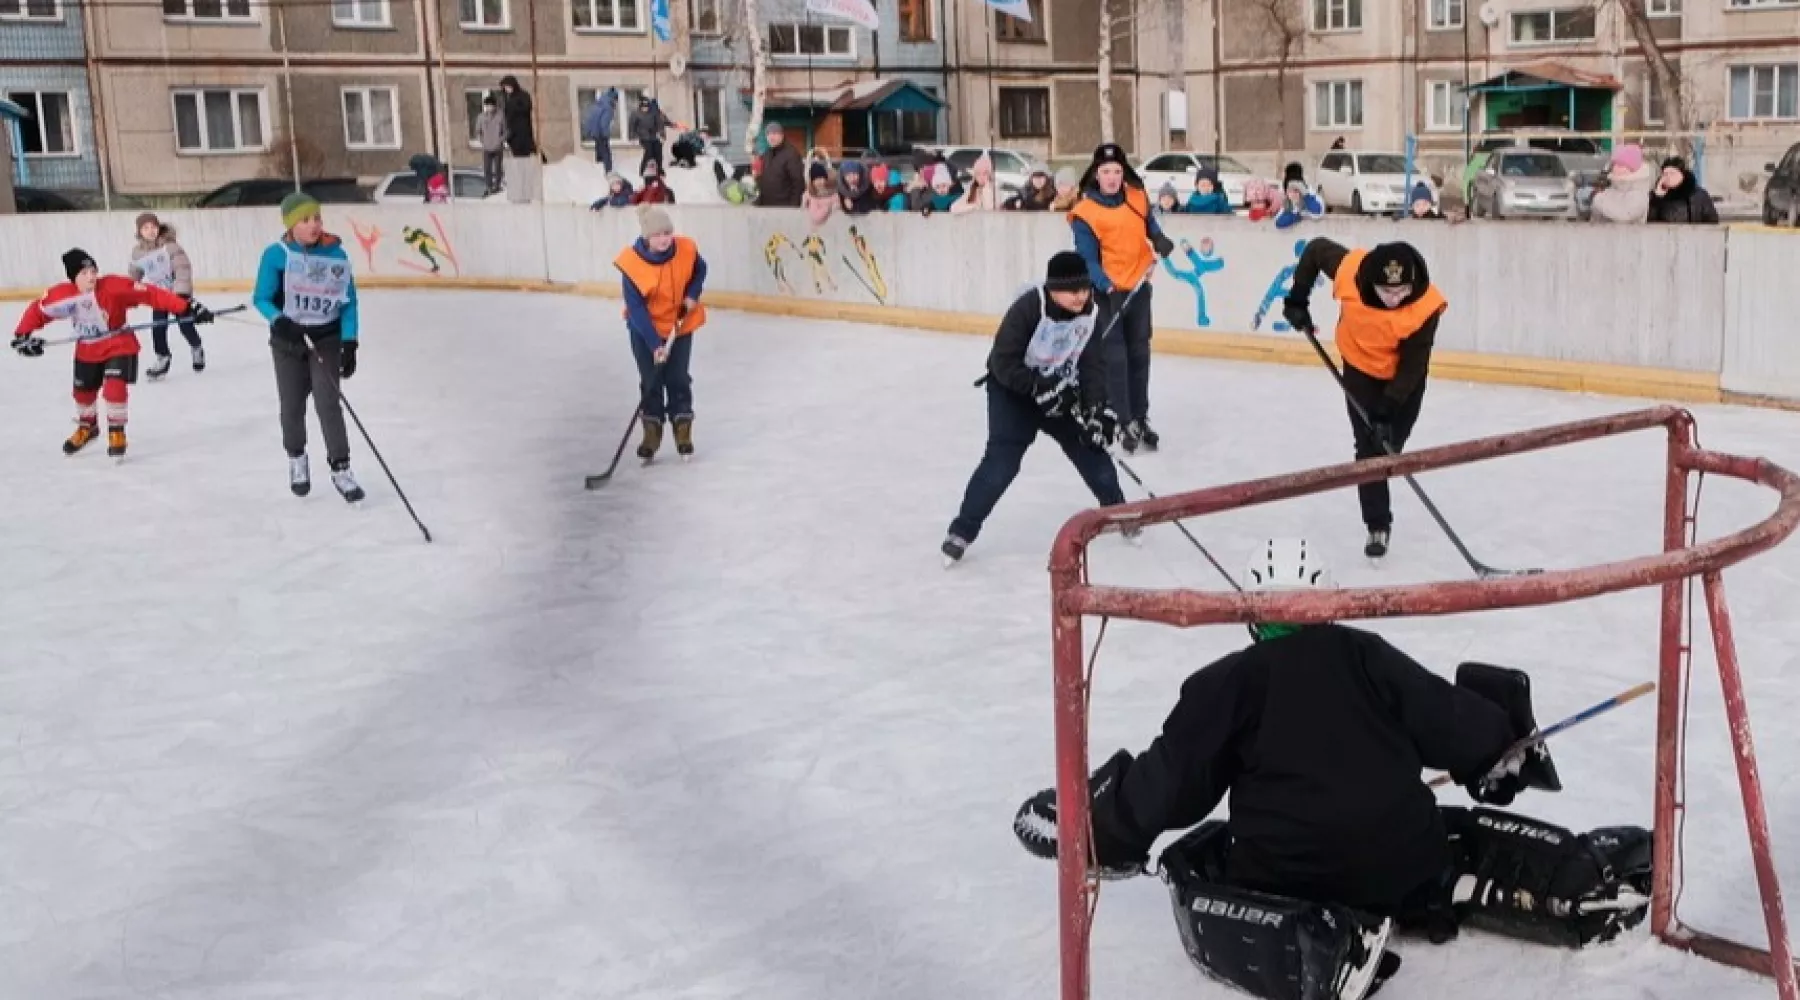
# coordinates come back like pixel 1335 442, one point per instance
pixel 663 275
pixel 1385 332
pixel 1115 233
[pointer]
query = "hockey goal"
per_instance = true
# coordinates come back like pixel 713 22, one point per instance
pixel 1073 598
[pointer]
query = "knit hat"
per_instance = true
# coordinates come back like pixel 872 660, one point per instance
pixel 77 261
pixel 1067 272
pixel 1065 177
pixel 818 172
pixel 655 221
pixel 1168 188
pixel 1291 173
pixel 1207 174
pixel 1629 156
pixel 296 207
pixel 147 218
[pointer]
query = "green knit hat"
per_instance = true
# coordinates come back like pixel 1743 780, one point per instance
pixel 297 206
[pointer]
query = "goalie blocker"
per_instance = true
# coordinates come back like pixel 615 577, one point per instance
pixel 1511 875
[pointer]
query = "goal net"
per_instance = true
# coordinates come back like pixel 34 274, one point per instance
pixel 1682 562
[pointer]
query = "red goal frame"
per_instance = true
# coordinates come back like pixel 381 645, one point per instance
pixel 1072 598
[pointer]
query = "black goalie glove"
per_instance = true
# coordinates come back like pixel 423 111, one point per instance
pixel 1035 825
pixel 1099 426
pixel 29 345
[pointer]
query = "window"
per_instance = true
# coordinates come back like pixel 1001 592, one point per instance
pixel 1337 15
pixel 1338 104
pixel 1752 4
pixel 219 121
pixel 472 106
pixel 1334 161
pixel 1662 8
pixel 1445 110
pixel 360 13
pixel 791 40
pixel 1446 14
pixel 606 15
pixel 628 102
pixel 48 128
pixel 1025 112
pixel 1008 28
pixel 30 10
pixel 915 20
pixel 208 10
pixel 1769 92
pixel 705 17
pixel 709 111
pixel 1653 100
pixel 1549 27
pixel 919 126
pixel 371 118
pixel 484 15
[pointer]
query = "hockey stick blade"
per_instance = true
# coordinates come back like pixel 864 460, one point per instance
pixel 1543 735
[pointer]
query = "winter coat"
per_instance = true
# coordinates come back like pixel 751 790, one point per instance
pixel 654 192
pixel 982 195
pixel 1297 205
pixel 856 195
pixel 1033 199
pixel 1626 198
pixel 818 206
pixel 1006 361
pixel 783 179
pixel 647 123
pixel 597 121
pixel 1686 205
pixel 1216 203
pixel 521 137
pixel 490 129
pixel 180 269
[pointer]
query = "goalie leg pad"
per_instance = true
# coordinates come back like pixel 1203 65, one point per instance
pixel 1270 946
pixel 1528 879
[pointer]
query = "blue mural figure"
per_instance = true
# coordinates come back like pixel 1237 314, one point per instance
pixel 1278 289
pixel 1200 264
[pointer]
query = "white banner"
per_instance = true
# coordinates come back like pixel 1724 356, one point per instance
pixel 860 11
pixel 1020 9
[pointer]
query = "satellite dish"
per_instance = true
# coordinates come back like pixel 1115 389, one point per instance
pixel 677 65
pixel 1490 14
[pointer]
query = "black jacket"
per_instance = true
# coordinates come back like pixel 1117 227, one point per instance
pixel 647 123
pixel 521 139
pixel 1324 256
pixel 1319 738
pixel 783 178
pixel 1688 204
pixel 1006 362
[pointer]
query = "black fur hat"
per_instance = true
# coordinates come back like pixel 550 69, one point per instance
pixel 1110 152
pixel 1392 264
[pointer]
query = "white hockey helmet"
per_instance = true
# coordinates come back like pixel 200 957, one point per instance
pixel 1286 564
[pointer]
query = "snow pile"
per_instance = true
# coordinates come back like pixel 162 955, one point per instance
pixel 578 180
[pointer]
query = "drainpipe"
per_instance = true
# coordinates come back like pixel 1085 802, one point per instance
pixel 287 89
pixel 102 157
pixel 1218 83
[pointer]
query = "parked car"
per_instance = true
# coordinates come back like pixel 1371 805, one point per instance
pixel 404 187
pixel 1523 183
pixel 1179 169
pixel 30 199
pixel 1781 194
pixel 1011 167
pixel 1367 182
pixel 270 191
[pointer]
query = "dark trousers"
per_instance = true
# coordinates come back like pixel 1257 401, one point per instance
pixel 603 152
pixel 159 334
pixel 301 371
pixel 1013 424
pixel 1128 358
pixel 493 169
pixel 674 387
pixel 653 152
pixel 1371 392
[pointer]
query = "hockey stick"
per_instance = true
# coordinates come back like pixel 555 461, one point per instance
pixel 135 327
pixel 1542 735
pixel 1180 527
pixel 594 482
pixel 384 466
pixel 1482 570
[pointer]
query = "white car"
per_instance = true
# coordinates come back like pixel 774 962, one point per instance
pixel 1011 167
pixel 1367 182
pixel 403 187
pixel 1179 169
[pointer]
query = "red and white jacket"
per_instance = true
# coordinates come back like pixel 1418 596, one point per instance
pixel 93 314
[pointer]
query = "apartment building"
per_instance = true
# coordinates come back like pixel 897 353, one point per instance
pixel 42 71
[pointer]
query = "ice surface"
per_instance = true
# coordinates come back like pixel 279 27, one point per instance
pixel 723 729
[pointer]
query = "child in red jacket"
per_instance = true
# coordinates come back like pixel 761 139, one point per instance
pixel 106 359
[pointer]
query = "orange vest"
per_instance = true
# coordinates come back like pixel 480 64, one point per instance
pixel 1124 236
pixel 1369 338
pixel 663 286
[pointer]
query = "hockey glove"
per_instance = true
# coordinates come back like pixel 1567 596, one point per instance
pixel 1100 426
pixel 1035 825
pixel 1056 398
pixel 1297 314
pixel 1161 244
pixel 347 364
pixel 197 313
pixel 28 345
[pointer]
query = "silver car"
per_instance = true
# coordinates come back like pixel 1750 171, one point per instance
pixel 1520 184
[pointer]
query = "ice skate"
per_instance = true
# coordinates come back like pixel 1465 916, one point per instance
pixel 346 483
pixel 199 354
pixel 299 475
pixel 1149 438
pixel 1369 963
pixel 652 442
pixel 159 367
pixel 1376 547
pixel 1128 438
pixel 115 442
pixel 84 432
pixel 684 437
pixel 953 548
pixel 1133 534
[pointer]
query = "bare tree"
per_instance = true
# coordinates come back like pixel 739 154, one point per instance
pixel 1280 25
pixel 1105 68
pixel 759 74
pixel 1665 74
pixel 1116 26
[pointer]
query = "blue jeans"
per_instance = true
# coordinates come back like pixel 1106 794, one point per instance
pixel 1013 424
pixel 673 394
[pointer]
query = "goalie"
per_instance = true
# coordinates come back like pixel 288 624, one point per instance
pixel 1319 734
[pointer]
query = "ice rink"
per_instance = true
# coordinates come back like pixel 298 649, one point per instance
pixel 725 729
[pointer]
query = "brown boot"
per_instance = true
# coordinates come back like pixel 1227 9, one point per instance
pixel 115 441
pixel 684 436
pixel 652 439
pixel 84 432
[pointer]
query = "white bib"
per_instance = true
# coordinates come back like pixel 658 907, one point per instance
pixel 158 268
pixel 315 288
pixel 83 313
pixel 1055 348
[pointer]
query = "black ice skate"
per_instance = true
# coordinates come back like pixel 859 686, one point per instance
pixel 159 367
pixel 345 482
pixel 1128 438
pixel 684 437
pixel 199 358
pixel 84 432
pixel 652 442
pixel 299 475
pixel 953 548
pixel 1377 545
pixel 1151 440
